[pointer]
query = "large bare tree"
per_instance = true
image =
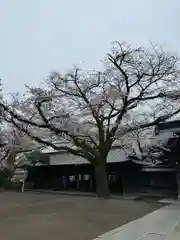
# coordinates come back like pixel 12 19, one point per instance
pixel 93 110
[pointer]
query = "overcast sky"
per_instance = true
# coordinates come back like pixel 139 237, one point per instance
pixel 39 36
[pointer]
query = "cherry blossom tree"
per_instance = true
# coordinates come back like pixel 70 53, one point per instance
pixel 12 143
pixel 173 144
pixel 15 143
pixel 87 113
pixel 148 150
pixel 163 148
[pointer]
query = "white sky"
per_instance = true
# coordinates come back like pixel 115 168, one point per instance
pixel 39 36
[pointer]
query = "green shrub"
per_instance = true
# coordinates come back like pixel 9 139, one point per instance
pixel 5 176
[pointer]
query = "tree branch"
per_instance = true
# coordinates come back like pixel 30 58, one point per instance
pixel 155 122
pixel 48 143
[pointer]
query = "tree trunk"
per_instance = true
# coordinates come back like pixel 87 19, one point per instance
pixel 102 189
pixel 178 184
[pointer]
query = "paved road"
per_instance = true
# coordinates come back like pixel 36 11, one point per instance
pixel 163 224
pixel 27 216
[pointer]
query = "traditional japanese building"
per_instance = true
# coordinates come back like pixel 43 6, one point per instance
pixel 63 171
pixel 162 178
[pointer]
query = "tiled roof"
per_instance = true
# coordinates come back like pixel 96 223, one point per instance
pixel 115 155
pixel 168 125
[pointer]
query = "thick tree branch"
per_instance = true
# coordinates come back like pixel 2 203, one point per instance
pixel 47 125
pixel 132 100
pixel 118 66
pixel 32 123
pixel 155 122
pixel 48 143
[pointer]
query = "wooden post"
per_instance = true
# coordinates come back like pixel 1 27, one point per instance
pixel 22 185
pixel 91 183
pixel 178 184
pixel 64 181
pixel 123 181
pixel 82 180
pixel 77 181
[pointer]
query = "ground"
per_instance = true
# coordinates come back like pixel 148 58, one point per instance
pixel 27 216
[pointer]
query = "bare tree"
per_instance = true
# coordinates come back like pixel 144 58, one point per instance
pixel 94 110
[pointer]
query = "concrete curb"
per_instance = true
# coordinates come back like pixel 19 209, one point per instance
pixel 61 193
pixel 94 195
pixel 161 224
